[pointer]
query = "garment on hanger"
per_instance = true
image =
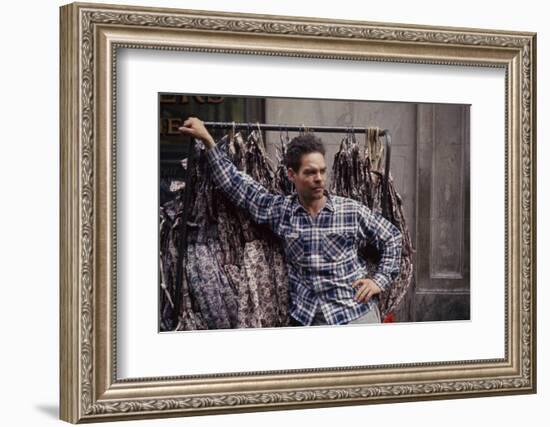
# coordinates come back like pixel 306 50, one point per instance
pixel 169 257
pixel 360 176
pixel 234 268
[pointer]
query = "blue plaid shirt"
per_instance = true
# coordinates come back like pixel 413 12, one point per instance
pixel 321 252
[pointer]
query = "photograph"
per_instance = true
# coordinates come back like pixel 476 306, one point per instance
pixel 277 212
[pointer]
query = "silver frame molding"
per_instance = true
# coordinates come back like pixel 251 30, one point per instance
pixel 90 37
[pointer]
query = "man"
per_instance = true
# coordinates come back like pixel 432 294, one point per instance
pixel 328 283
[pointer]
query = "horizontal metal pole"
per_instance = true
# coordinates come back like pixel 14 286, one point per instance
pixel 289 128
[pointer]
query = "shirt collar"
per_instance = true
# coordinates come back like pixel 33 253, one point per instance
pixel 329 204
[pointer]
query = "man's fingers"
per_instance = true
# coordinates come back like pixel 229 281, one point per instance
pixel 194 127
pixel 360 295
pixel 368 296
pixel 190 130
pixel 184 129
pixel 191 120
pixel 357 283
pixel 367 289
pixel 363 286
pixel 190 125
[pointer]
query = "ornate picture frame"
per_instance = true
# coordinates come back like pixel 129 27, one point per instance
pixel 91 36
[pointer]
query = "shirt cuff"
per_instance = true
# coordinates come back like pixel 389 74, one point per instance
pixel 213 154
pixel 381 280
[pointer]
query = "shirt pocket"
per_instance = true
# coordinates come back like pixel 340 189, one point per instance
pixel 337 246
pixel 294 245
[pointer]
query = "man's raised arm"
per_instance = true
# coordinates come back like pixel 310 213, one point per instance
pixel 240 188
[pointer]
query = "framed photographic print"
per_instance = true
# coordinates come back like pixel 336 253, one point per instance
pixel 210 266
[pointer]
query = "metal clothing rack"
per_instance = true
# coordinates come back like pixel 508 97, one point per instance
pixel 267 127
pixel 289 128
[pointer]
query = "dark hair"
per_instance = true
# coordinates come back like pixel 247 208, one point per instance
pixel 300 145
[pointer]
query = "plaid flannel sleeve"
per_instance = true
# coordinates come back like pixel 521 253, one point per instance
pixel 378 231
pixel 243 191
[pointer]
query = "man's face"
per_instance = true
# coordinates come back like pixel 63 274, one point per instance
pixel 310 179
